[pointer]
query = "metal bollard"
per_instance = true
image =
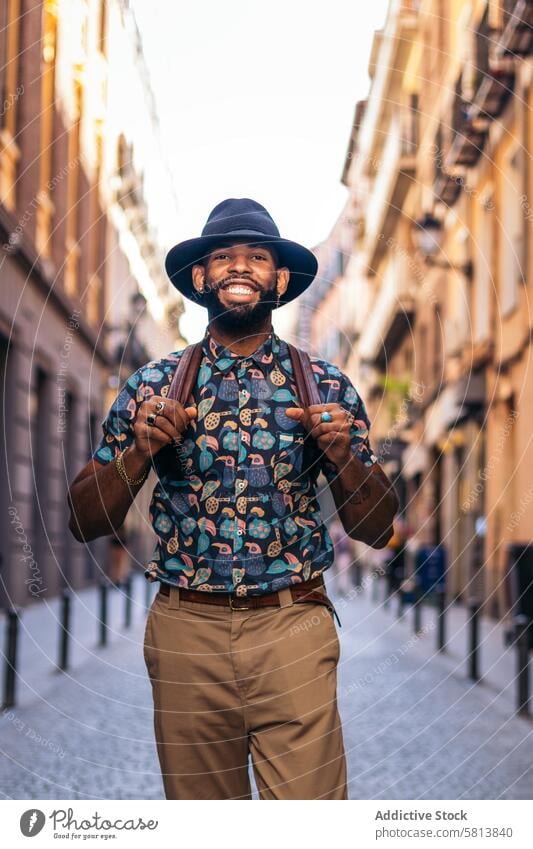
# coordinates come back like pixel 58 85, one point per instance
pixel 387 593
pixel 523 624
pixel 473 655
pixel 441 620
pixel 401 602
pixel 103 614
pixel 127 609
pixel 147 594
pixel 64 633
pixel 417 608
pixel 10 674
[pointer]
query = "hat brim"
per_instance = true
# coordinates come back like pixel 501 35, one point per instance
pixel 300 261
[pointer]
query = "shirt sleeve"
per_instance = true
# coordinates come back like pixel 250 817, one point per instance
pixel 360 445
pixel 117 426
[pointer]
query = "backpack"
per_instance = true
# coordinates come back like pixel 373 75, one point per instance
pixel 307 390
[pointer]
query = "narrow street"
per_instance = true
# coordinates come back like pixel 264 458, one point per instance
pixel 415 727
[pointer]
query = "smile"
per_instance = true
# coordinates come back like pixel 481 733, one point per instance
pixel 239 289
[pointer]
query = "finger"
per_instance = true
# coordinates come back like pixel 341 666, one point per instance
pixel 318 408
pixel 153 437
pixel 294 412
pixel 338 423
pixel 173 412
pixel 326 440
pixel 162 425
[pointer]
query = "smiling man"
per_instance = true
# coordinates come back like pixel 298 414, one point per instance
pixel 240 642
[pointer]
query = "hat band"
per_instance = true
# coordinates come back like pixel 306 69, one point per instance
pixel 245 232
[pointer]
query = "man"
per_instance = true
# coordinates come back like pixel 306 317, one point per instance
pixel 240 644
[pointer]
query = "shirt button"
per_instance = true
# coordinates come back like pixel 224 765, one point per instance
pixel 240 532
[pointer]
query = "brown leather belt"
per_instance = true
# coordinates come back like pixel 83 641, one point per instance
pixel 306 591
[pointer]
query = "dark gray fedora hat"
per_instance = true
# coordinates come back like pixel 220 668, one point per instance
pixel 241 219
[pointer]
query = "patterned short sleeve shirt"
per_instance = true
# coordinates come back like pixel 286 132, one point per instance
pixel 235 509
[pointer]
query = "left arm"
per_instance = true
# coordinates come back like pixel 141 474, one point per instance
pixel 365 501
pixel 364 496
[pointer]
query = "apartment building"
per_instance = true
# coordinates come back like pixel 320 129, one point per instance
pixel 439 179
pixel 82 297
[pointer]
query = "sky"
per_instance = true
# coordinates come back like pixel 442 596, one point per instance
pixel 257 100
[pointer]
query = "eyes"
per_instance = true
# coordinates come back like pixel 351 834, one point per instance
pixel 221 256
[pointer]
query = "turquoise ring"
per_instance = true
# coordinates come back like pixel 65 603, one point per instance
pixel 326 417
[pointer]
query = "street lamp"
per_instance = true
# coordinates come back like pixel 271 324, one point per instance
pixel 429 235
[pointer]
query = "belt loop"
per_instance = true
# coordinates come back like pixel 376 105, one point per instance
pixel 285 597
pixel 174 598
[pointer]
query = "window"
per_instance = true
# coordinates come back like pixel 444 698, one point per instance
pixel 102 27
pixel 45 207
pixel 11 91
pixel 484 281
pixel 72 229
pixel 511 232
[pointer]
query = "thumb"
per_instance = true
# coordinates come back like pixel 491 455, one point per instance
pixel 192 412
pixel 295 413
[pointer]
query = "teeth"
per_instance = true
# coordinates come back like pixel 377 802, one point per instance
pixel 239 290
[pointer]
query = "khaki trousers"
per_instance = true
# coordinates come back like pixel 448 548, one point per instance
pixel 229 683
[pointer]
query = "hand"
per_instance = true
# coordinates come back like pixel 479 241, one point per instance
pixel 168 428
pixel 333 437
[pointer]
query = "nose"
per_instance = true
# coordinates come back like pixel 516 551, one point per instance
pixel 240 264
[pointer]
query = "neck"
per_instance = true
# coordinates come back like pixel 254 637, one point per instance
pixel 241 340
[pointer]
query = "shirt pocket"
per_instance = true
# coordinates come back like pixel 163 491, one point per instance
pixel 289 458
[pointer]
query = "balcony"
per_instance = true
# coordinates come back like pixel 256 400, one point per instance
pixel 394 178
pixel 468 139
pixel 390 52
pixel 497 50
pixel 391 315
pixel 517 35
pixel 482 90
pixel 447 185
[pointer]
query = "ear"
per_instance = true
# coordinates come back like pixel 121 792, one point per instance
pixel 198 277
pixel 283 275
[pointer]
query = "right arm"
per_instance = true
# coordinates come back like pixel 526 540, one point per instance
pixel 98 498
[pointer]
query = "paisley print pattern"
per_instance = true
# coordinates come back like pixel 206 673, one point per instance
pixel 235 509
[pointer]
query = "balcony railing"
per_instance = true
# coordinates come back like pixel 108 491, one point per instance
pixel 517 37
pixel 393 179
pixel 482 91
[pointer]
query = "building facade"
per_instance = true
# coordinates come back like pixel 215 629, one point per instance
pixel 439 177
pixel 82 296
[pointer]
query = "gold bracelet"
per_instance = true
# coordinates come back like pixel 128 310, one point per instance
pixel 121 469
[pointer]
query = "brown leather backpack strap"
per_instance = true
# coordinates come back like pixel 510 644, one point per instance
pixel 186 372
pixel 303 375
pixel 307 391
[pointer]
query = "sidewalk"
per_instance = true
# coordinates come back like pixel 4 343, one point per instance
pixel 414 726
pixel 40 631
pixel 497 663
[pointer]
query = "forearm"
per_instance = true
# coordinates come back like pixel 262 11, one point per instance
pixel 99 503
pixel 366 502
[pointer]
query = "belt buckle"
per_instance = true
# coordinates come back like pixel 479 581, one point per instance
pixel 232 599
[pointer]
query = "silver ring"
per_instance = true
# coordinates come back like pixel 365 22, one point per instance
pixel 159 407
pixel 150 419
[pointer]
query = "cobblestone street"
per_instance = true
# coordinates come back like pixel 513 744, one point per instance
pixel 414 726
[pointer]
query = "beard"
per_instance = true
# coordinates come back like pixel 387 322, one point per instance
pixel 248 316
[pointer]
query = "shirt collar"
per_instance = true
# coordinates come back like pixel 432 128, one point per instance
pixel 223 358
